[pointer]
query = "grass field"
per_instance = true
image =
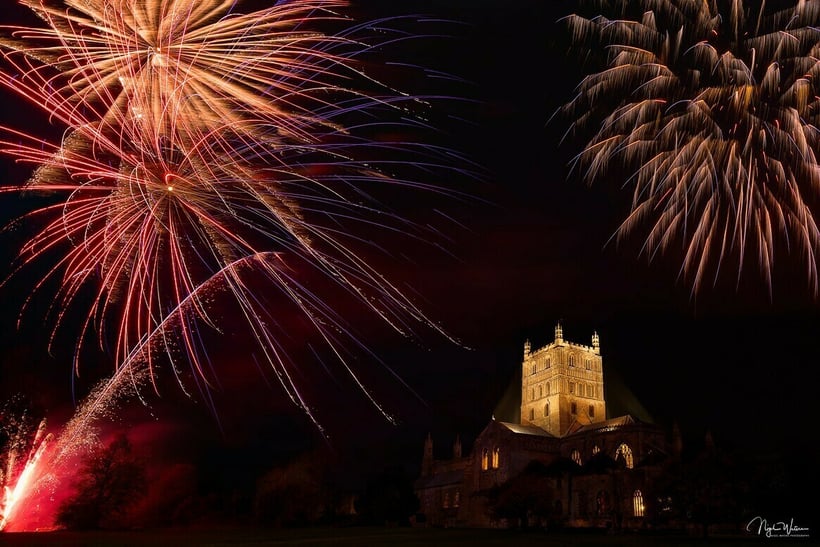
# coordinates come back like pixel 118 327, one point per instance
pixel 366 537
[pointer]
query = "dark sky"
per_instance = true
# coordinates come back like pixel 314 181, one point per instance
pixel 531 252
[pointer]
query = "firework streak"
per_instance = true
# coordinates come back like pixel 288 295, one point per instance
pixel 203 145
pixel 712 116
pixel 204 150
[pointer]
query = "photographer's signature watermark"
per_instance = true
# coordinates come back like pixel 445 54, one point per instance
pixel 779 529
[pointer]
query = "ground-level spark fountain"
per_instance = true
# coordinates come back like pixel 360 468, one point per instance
pixel 38 467
pixel 20 465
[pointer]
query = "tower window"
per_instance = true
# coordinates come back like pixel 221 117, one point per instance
pixel 485 460
pixel 548 388
pixel 591 411
pixel 457 498
pixel 534 368
pixel 540 391
pixel 637 503
pixel 572 387
pixel 576 456
pixel 532 394
pixel 532 414
pixel 572 360
pixel 496 454
pixel 573 408
pixel 548 363
pixel 589 391
pixel 588 364
pixel 547 409
pixel 595 449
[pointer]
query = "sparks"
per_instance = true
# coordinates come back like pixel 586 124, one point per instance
pixel 712 118
pixel 204 150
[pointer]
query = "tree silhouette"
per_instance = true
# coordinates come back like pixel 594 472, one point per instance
pixel 293 495
pixel 712 488
pixel 108 483
pixel 530 496
pixel 388 499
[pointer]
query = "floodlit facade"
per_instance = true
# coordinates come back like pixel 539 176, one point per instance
pixel 562 384
pixel 564 464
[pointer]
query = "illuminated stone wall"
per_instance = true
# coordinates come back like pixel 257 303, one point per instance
pixel 562 383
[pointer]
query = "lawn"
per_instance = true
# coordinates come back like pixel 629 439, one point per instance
pixel 365 537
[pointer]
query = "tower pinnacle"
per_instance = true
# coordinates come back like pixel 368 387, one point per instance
pixel 427 458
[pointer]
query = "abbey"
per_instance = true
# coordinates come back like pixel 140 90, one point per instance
pixel 565 462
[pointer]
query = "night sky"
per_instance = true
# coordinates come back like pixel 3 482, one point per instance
pixel 530 248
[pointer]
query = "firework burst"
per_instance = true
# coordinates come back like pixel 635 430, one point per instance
pixel 178 69
pixel 709 110
pixel 205 150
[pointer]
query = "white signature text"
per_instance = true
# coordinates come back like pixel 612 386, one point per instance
pixel 778 529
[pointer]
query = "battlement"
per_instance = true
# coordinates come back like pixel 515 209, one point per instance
pixel 560 342
pixel 563 344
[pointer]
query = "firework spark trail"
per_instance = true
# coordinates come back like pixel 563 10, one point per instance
pixel 112 221
pixel 203 148
pixel 46 464
pixel 713 116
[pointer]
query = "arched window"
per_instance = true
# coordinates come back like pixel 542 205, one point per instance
pixel 532 414
pixel 457 498
pixel 588 364
pixel 572 359
pixel 595 449
pixel 573 408
pixel 548 363
pixel 532 394
pixel 540 391
pixel 534 368
pixel 637 503
pixel 626 453
pixel 576 456
pixel 548 388
pixel 547 409
pixel 485 460
pixel 496 454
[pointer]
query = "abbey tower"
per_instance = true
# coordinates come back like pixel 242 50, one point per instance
pixel 561 383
